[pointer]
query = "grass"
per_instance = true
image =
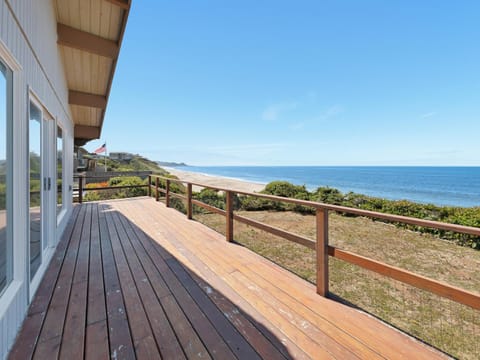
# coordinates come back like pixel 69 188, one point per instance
pixel 449 326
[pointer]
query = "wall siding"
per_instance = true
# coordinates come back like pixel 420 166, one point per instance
pixel 28 29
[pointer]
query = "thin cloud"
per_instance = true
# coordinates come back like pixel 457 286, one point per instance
pixel 428 115
pixel 331 112
pixel 297 126
pixel 246 148
pixel 274 111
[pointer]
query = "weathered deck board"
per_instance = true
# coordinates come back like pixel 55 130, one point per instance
pixel 133 279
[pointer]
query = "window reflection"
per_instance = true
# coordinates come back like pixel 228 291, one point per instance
pixel 59 169
pixel 6 253
pixel 35 188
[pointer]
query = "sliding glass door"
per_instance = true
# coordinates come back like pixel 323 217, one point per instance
pixel 42 154
pixel 6 245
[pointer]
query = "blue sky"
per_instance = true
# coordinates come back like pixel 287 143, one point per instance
pixel 299 83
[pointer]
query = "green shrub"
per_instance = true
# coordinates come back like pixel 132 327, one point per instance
pixel 178 205
pixel 455 215
pixel 327 195
pixel 210 197
pixel 128 181
pixel 284 189
pixel 175 187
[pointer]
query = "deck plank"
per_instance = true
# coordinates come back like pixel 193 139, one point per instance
pixel 132 279
pixel 120 339
pixel 161 329
pixel 142 335
pixel 207 332
pixel 74 329
pixel 191 343
pixel 96 338
pixel 52 329
pixel 237 343
pixel 292 307
pixel 280 319
pixel 267 343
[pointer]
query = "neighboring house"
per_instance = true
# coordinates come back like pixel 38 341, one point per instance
pixel 80 159
pixel 121 156
pixel 57 60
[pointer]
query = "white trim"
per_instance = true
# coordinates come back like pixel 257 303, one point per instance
pixel 8 58
pixel 19 174
pixel 8 296
pixel 37 279
pixel 60 216
pixel 33 96
pixel 17 231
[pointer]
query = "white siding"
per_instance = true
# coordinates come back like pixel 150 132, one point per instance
pixel 28 30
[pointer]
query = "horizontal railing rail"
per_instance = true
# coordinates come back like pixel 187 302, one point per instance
pixel 321 245
pixel 82 186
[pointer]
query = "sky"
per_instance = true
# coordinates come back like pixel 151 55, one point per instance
pixel 303 82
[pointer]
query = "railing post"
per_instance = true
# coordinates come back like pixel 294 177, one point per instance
pixel 149 189
pixel 229 210
pixel 167 193
pixel 80 189
pixel 189 201
pixel 322 251
pixel 156 188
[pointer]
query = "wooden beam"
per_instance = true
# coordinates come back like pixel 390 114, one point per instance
pixel 86 132
pixel 322 251
pixel 85 41
pixel 86 99
pixel 124 4
pixel 229 210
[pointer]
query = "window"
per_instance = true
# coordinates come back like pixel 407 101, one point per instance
pixel 59 170
pixel 6 246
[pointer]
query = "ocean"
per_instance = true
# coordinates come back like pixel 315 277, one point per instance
pixel 453 186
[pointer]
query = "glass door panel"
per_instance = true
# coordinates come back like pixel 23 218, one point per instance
pixel 59 170
pixel 35 154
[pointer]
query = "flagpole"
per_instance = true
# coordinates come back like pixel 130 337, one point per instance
pixel 105 156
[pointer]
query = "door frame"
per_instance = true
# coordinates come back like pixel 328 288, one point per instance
pixel 48 204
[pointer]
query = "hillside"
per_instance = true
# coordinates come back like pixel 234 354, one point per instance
pixel 137 163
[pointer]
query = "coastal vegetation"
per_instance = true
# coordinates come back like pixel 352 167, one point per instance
pixel 454 215
pixel 136 163
pixel 95 195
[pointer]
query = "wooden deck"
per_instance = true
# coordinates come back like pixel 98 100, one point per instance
pixel 134 279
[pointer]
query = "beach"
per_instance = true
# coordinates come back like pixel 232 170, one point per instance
pixel 216 181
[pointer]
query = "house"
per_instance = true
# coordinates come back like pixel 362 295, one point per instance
pixel 57 61
pixel 121 156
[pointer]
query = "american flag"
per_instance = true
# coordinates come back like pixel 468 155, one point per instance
pixel 101 149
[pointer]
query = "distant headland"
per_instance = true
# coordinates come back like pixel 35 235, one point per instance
pixel 170 164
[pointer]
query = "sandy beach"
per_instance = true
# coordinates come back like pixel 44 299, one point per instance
pixel 217 181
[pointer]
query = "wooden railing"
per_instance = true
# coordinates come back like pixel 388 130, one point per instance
pixel 82 182
pixel 321 245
